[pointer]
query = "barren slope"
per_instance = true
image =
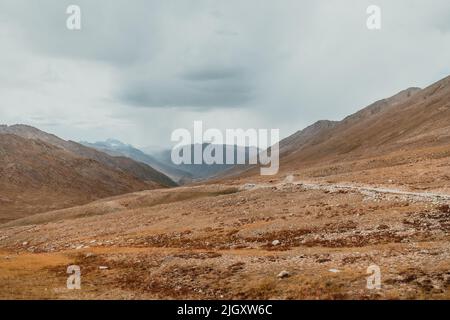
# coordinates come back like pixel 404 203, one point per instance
pixel 411 126
pixel 137 169
pixel 36 176
pixel 416 120
pixel 216 241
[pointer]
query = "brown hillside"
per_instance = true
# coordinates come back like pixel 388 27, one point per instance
pixel 36 176
pixel 137 169
pixel 411 119
pixel 414 121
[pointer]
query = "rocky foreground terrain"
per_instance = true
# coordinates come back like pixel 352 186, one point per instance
pixel 272 239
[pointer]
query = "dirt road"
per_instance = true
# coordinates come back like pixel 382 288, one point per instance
pixel 365 190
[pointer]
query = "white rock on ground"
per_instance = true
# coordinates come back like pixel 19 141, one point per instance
pixel 283 274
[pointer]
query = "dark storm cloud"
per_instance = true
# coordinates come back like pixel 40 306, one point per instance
pixel 213 74
pixel 206 87
pixel 184 54
pixel 199 91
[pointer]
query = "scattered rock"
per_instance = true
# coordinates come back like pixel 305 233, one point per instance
pixel 284 274
pixel 289 179
pixel 334 270
pixel 249 186
pixel 103 268
pixel 275 242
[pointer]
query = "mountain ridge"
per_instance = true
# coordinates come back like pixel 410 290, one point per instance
pixel 412 118
pixel 115 147
pixel 139 170
pixel 41 172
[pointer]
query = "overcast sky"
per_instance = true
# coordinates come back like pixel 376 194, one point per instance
pixel 139 69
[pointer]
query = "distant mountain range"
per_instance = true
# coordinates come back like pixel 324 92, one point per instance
pixel 162 161
pixel 115 147
pixel 205 171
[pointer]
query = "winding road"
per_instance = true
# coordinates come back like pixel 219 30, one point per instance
pixel 367 190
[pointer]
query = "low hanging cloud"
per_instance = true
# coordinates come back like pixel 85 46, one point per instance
pixel 198 88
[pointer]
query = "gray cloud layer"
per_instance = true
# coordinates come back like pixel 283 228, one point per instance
pixel 148 67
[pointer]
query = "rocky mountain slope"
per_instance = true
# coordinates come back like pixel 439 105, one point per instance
pixel 410 121
pixel 40 172
pixel 127 165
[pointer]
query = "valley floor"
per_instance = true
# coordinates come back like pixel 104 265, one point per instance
pixel 232 241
